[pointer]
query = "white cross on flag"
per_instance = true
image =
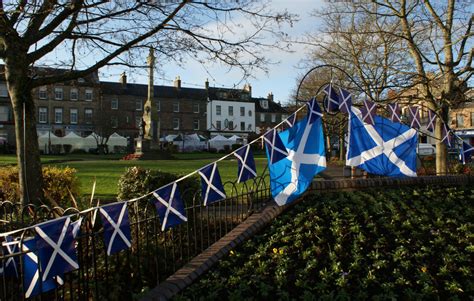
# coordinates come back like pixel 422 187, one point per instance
pixel 466 153
pixel 290 121
pixel 345 101
pixel 431 121
pixel 331 99
pixel 291 176
pixel 117 236
pixel 56 248
pixel 368 111
pixel 275 148
pixel 414 117
pixel 446 135
pixel 32 284
pixel 395 112
pixel 314 111
pixel 9 266
pixel 211 184
pixel 170 206
pixel 385 148
pixel 246 162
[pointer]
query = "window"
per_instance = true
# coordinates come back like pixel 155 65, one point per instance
pixel 250 113
pixel 273 117
pixel 176 123
pixel 264 104
pixel 218 110
pixel 196 124
pixel 284 116
pixel 242 126
pixel 58 93
pixel 88 115
pixel 88 95
pixel 242 111
pixel 74 94
pixel 73 116
pixel 195 107
pixel 114 104
pixel 138 105
pixel 218 124
pixel 472 118
pixel 4 113
pixel 231 111
pixel 262 117
pixel 460 120
pixel 176 107
pixel 114 122
pixel 58 115
pixel 42 93
pixel 230 125
pixel 3 90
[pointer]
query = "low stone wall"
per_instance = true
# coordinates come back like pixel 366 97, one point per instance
pixel 257 221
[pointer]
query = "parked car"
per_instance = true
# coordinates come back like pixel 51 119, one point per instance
pixel 425 149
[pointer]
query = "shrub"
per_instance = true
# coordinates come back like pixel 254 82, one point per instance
pixel 67 148
pixel 213 150
pixel 56 182
pixel 235 146
pixel 137 181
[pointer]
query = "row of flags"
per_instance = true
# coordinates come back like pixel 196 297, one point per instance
pixel 295 155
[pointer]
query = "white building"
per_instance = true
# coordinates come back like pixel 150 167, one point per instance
pixel 230 112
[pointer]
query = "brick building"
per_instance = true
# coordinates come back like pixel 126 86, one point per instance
pixel 268 113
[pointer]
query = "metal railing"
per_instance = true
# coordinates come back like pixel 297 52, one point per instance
pixel 153 256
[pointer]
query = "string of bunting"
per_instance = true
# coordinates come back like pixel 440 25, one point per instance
pixel 295 155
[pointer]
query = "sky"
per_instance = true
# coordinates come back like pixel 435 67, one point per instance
pixel 281 79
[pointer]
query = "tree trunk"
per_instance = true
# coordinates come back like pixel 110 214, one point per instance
pixel 27 150
pixel 441 154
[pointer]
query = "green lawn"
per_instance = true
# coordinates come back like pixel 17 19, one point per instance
pixel 106 170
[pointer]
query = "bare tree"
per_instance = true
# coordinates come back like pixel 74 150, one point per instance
pixel 90 34
pixel 418 45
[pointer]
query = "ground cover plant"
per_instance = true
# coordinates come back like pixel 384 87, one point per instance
pixel 413 243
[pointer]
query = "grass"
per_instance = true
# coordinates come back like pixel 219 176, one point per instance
pixel 106 169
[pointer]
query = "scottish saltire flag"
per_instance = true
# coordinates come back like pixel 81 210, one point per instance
pixel 170 206
pixel 314 111
pixel 431 121
pixel 368 111
pixel 211 184
pixel 290 177
pixel 9 266
pixel 246 162
pixel 56 248
pixel 466 153
pixel 331 99
pixel 274 146
pixel 290 121
pixel 117 236
pixel 32 284
pixel 446 136
pixel 414 117
pixel 345 101
pixel 385 148
pixel 395 112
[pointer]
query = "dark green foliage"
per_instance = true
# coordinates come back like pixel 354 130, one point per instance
pixel 137 181
pixel 393 244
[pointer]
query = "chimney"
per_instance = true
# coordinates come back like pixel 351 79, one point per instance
pixel 248 88
pixel 177 82
pixel 270 96
pixel 206 84
pixel 123 79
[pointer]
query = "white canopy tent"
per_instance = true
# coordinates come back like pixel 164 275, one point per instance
pixel 219 142
pixel 116 141
pixel 46 139
pixel 74 140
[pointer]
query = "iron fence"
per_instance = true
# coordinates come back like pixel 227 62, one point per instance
pixel 153 256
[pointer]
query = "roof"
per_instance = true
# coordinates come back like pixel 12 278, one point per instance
pixel 228 94
pixel 115 88
pixel 273 107
pixel 91 78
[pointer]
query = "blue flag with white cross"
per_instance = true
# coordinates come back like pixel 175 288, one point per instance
pixel 116 225
pixel 246 164
pixel 291 176
pixel 170 206
pixel 56 247
pixel 32 284
pixel 331 99
pixel 211 184
pixel 466 152
pixel 9 266
pixel 385 148
pixel 275 148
